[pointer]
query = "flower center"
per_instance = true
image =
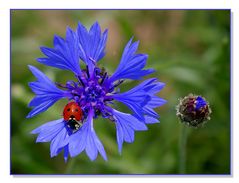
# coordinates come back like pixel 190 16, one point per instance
pixel 92 92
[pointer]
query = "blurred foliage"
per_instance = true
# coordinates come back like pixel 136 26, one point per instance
pixel 190 51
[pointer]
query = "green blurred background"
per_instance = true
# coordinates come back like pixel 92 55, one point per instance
pixel 190 50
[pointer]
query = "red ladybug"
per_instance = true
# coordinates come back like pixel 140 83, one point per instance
pixel 72 111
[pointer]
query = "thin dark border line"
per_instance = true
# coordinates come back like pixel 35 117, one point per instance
pixel 10 127
pixel 119 9
pixel 132 175
pixel 231 93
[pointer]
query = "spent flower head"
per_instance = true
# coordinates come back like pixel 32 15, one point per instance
pixel 193 110
pixel 92 93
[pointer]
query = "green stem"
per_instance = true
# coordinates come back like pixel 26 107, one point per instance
pixel 182 149
pixel 70 166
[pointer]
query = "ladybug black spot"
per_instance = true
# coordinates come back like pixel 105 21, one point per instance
pixel 76 110
pixel 68 109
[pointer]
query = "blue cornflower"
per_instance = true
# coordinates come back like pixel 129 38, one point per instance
pixel 94 91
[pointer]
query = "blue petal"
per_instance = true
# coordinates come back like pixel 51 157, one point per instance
pixel 42 106
pixel 131 64
pixel 56 132
pixel 153 103
pixel 200 102
pixel 99 146
pixel 126 124
pixel 119 136
pixel 135 100
pixel 86 139
pixel 65 54
pixel 156 101
pixel 46 93
pixel 151 120
pixel 150 111
pixel 140 96
pixel 66 153
pixel 59 141
pixel 152 86
pixel 49 131
pixel 77 141
pixel 91 44
pixel 91 149
pixel 145 104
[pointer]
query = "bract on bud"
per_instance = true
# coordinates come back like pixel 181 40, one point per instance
pixel 193 110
